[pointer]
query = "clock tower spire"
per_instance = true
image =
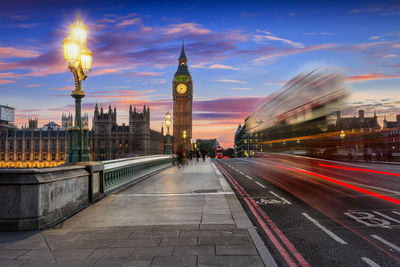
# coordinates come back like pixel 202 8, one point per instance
pixel 182 93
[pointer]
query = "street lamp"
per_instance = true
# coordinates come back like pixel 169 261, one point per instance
pixel 342 136
pixel 184 140
pixel 79 59
pixel 168 123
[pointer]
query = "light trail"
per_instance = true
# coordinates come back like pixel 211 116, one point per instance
pixel 350 186
pixel 359 169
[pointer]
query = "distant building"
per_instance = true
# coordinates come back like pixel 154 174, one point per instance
pixel 112 141
pixel 357 123
pixel 7 117
pixel 391 134
pixel 47 146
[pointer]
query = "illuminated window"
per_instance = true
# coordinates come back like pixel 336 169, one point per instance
pixel 245 141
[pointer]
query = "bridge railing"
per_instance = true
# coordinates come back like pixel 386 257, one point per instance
pixel 40 198
pixel 121 172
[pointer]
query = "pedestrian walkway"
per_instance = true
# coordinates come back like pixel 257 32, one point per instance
pixel 178 217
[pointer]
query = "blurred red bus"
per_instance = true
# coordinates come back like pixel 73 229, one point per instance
pixel 219 152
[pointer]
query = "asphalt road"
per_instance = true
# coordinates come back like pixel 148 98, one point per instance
pixel 314 212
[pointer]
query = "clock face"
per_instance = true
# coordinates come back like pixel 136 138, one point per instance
pixel 181 88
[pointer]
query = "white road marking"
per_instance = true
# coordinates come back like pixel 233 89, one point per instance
pixel 396 212
pixel 335 237
pixel 249 177
pixel 386 216
pixel 281 198
pixel 263 186
pixel 241 172
pixel 370 262
pixel 393 246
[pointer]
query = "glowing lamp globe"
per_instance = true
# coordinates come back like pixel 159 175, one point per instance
pixel 71 50
pixel 86 59
pixel 184 134
pixel 79 30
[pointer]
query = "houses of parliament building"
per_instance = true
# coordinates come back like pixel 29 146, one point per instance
pixel 31 146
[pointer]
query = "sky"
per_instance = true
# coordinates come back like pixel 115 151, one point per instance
pixel 238 53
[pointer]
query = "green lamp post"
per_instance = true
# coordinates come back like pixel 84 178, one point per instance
pixel 168 145
pixel 79 59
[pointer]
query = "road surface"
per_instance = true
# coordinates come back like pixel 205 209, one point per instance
pixel 314 212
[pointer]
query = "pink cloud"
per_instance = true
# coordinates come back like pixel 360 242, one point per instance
pixel 6 81
pixel 192 28
pixel 129 22
pixel 12 52
pixel 370 77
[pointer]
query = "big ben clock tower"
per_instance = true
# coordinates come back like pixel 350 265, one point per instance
pixel 182 92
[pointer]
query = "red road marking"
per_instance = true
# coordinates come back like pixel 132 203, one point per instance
pixel 359 169
pixel 359 189
pixel 252 204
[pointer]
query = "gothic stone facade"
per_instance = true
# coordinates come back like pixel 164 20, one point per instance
pixel 112 141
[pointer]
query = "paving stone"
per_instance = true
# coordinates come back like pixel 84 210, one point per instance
pixel 195 250
pixel 154 234
pixel 7 254
pixel 111 253
pixel 57 232
pixel 217 226
pixel 106 262
pixel 225 241
pixel 28 243
pixel 77 262
pixel 105 243
pixel 174 261
pixel 175 227
pixel 70 236
pixel 42 254
pixel 179 241
pixel 234 232
pixel 41 263
pixel 150 252
pixel 62 244
pixel 144 228
pixel 236 250
pixel 12 263
pixel 198 233
pixel 106 235
pixel 231 261
pixel 72 253
pixel 135 242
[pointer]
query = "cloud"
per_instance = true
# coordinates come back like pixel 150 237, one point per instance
pixel 6 81
pixel 292 51
pixel 241 89
pixel 33 85
pixel 12 52
pixel 127 22
pixel 214 66
pixel 192 28
pixel 370 77
pixel 230 81
pixel 269 37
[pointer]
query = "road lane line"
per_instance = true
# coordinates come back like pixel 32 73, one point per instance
pixel 265 228
pixel 252 204
pixel 263 186
pixel 281 198
pixel 249 177
pixel 386 216
pixel 396 212
pixel 335 237
pixel 393 246
pixel 370 262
